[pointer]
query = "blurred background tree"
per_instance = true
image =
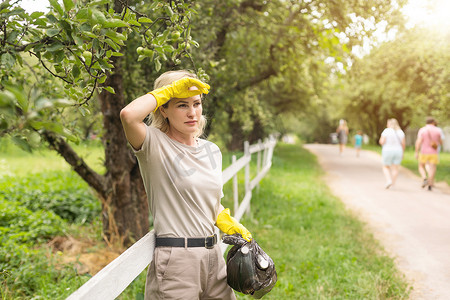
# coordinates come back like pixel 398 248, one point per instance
pixel 407 78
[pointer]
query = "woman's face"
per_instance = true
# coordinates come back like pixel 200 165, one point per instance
pixel 184 114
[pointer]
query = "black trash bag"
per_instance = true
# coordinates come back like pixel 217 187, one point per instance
pixel 249 269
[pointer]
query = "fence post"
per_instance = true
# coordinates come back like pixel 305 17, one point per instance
pixel 266 142
pixel 258 160
pixel 235 186
pixel 247 172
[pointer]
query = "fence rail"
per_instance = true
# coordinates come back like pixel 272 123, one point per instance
pixel 112 280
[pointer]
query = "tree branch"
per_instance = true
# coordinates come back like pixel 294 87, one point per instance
pixel 95 180
pixel 257 79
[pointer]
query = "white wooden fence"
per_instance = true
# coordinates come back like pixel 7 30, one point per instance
pixel 116 276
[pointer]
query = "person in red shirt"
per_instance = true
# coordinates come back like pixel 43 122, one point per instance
pixel 427 143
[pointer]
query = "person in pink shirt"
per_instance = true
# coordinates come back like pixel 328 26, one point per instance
pixel 427 143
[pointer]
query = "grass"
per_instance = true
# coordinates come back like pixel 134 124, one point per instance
pixel 320 250
pixel 410 162
pixel 16 162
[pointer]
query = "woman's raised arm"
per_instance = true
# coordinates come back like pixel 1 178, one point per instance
pixel 132 117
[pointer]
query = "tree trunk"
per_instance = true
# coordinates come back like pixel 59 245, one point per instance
pixel 125 207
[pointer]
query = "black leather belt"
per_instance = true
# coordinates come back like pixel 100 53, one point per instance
pixel 207 242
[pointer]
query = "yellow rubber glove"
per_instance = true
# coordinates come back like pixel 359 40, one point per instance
pixel 179 89
pixel 229 225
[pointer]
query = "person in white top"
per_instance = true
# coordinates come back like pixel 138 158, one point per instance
pixel 182 175
pixel 393 144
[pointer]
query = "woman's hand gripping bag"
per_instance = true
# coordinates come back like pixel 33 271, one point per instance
pixel 249 269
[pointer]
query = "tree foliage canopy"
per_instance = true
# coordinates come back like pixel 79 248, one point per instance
pixel 407 78
pixel 266 59
pixel 63 58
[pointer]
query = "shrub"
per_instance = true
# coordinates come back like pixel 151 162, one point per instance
pixel 22 265
pixel 64 193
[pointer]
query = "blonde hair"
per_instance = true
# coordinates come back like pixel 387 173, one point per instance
pixel 342 124
pixel 393 123
pixel 156 118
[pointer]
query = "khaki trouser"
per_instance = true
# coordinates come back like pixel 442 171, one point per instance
pixel 187 273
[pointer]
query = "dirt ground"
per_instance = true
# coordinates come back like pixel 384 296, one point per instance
pixel 413 224
pixel 87 257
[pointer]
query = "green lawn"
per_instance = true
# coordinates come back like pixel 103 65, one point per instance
pixel 14 161
pixel 321 251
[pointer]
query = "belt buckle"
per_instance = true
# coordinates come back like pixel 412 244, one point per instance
pixel 214 240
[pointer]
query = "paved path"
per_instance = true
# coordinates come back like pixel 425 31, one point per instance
pixel 413 224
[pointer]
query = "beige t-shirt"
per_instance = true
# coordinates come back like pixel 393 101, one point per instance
pixel 183 184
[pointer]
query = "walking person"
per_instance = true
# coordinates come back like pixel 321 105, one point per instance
pixel 342 132
pixel 426 151
pixel 393 144
pixel 358 138
pixel 182 175
pixel 442 138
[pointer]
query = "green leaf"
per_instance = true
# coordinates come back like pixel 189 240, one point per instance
pixel 134 22
pixel 8 60
pixel 51 18
pixel 52 32
pixel 55 47
pixel 169 11
pixel 12 36
pixel 20 96
pixel 36 15
pixel 39 22
pixel 22 143
pixel 68 5
pixel 56 6
pixel 168 48
pixel 6 99
pixel 83 14
pixel 90 34
pixel 115 35
pixel 69 135
pixel 97 17
pixel 112 44
pixel 102 79
pixel 52 126
pixel 99 2
pixel 84 110
pixel 110 89
pixel 58 56
pixel 196 45
pixel 157 65
pixel 79 41
pixel 115 23
pixel 105 64
pixel 145 20
pixel 76 71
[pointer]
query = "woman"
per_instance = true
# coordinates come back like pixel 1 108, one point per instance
pixel 342 132
pixel 182 174
pixel 392 141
